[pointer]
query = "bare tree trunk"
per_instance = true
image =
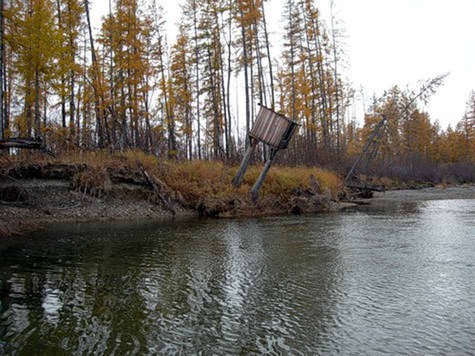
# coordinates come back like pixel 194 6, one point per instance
pixel 337 90
pixel 63 79
pixel 214 94
pixel 197 69
pixel 321 77
pixel 78 114
pixel 229 72
pixel 97 101
pixel 313 79
pixel 269 58
pixel 2 79
pixel 260 70
pixel 72 82
pixel 292 63
pixel 112 91
pixel 168 116
pixel 37 104
pixel 246 79
pixel 7 80
pixel 28 111
pixel 228 85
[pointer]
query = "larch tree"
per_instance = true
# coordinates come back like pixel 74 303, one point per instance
pixel 212 77
pixel 244 22
pixel 69 15
pixel 468 127
pixel 36 42
pixel 181 82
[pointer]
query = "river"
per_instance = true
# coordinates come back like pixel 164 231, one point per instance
pixel 396 277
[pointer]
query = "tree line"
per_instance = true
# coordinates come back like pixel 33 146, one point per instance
pixel 129 86
pixel 411 144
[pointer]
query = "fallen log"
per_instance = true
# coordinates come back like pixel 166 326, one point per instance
pixel 27 143
pixel 160 190
pixel 356 201
pixel 24 143
pixel 365 186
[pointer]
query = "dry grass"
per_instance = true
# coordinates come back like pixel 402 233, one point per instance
pixel 194 181
pixel 94 181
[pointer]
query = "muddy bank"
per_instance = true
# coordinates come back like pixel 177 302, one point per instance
pixel 31 195
pixel 27 204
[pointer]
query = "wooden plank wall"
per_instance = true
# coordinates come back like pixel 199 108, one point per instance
pixel 270 127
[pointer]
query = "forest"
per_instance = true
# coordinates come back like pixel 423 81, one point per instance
pixel 128 86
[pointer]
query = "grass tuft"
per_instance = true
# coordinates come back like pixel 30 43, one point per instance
pixel 94 181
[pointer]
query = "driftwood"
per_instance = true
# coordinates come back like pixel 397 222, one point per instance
pixel 160 190
pixel 356 202
pixel 359 186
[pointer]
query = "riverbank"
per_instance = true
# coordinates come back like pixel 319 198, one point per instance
pixel 100 186
pixel 440 192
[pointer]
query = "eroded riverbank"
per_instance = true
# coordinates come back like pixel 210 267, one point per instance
pixel 32 193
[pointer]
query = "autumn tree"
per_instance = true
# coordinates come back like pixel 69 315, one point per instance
pixel 69 15
pixel 36 42
pixel 467 126
pixel 181 87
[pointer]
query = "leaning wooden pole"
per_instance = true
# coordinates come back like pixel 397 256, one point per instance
pixel 257 186
pixel 366 148
pixel 275 131
pixel 245 163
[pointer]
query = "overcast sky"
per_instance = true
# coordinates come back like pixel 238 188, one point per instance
pixel 390 42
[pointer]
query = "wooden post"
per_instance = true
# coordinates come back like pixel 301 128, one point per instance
pixel 245 163
pixel 262 177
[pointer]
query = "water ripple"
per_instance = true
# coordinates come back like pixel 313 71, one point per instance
pixel 383 280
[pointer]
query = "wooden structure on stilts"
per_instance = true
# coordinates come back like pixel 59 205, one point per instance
pixel 273 130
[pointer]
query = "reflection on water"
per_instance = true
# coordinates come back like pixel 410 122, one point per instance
pixel 391 278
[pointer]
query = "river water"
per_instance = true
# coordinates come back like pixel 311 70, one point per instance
pixel 397 277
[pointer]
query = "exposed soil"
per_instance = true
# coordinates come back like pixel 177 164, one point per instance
pixel 40 201
pixel 35 194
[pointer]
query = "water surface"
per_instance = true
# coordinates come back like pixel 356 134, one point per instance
pixel 395 278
